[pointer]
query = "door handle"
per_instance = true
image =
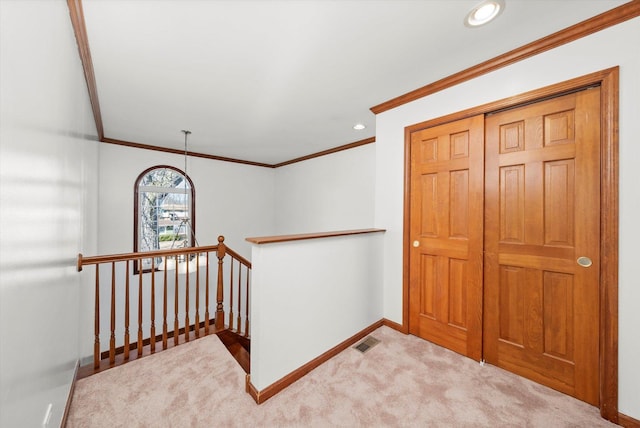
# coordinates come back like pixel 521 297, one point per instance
pixel 584 261
pixel 416 243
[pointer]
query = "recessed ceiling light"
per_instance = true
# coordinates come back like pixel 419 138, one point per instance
pixel 359 126
pixel 484 12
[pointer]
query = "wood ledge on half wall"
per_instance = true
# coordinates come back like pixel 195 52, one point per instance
pixel 304 236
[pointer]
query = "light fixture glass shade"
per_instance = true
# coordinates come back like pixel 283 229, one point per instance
pixel 484 12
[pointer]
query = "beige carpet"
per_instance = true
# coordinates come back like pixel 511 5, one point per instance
pixel 401 382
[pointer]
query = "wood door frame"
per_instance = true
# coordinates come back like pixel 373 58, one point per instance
pixel 608 80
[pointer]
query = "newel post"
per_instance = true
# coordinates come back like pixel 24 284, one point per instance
pixel 222 250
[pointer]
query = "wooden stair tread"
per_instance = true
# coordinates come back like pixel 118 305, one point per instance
pixel 238 346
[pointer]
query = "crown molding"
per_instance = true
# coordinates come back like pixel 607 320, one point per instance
pixel 181 152
pixel 607 19
pixel 80 31
pixel 599 22
pixel 327 152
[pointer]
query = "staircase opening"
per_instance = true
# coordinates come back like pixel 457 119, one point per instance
pixel 198 291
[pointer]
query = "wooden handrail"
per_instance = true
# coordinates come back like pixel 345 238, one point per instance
pixel 94 260
pixel 302 236
pixel 238 257
pixel 204 257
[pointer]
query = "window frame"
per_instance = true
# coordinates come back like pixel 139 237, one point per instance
pixel 136 211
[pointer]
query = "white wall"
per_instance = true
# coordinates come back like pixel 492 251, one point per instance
pixel 333 192
pixel 608 48
pixel 48 207
pixel 301 308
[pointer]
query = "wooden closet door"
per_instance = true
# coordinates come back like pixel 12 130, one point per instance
pixel 542 227
pixel 445 260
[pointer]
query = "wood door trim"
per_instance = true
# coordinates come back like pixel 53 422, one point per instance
pixel 609 167
pixel 608 80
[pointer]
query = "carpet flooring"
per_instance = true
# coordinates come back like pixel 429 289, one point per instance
pixel 403 381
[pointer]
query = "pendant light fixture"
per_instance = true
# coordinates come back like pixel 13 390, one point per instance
pixel 173 263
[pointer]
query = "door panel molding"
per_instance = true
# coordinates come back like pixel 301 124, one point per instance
pixel 560 299
pixel 608 80
pixel 447 233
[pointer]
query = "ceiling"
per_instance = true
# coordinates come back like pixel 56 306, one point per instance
pixel 272 80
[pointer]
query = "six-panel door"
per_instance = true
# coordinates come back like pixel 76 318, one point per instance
pixel 542 214
pixel 446 232
pixel 530 177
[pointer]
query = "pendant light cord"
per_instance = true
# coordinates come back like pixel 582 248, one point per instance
pixel 188 224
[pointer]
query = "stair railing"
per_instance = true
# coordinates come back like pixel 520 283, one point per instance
pixel 174 271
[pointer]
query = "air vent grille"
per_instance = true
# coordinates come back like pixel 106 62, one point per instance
pixel 368 343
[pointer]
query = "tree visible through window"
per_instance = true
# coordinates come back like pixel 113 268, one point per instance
pixel 164 207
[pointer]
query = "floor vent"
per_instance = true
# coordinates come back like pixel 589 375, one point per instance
pixel 367 344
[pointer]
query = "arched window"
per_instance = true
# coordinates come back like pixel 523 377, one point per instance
pixel 164 211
